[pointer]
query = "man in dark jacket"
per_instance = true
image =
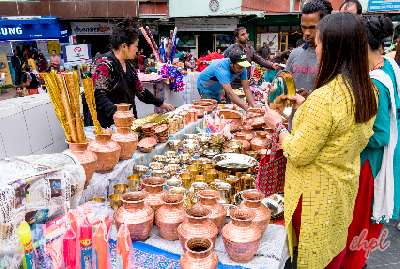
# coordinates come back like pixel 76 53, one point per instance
pixel 17 65
pixel 265 51
pixel 242 42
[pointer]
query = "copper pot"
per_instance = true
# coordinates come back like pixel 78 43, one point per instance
pixel 257 122
pixel 197 225
pixel 252 200
pixel 127 140
pixel 85 157
pixel 258 143
pixel 170 215
pixel 209 199
pixel 200 110
pixel 241 239
pixel 199 254
pixel 123 117
pixel 136 214
pixel 106 150
pixel 153 187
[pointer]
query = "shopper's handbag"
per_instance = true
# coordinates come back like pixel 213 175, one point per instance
pixel 271 172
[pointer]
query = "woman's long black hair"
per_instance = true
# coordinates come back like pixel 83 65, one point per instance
pixel 345 51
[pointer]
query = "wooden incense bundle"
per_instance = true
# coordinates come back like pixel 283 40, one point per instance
pixel 89 94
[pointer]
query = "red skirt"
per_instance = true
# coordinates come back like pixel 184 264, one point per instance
pixel 296 223
pixel 356 257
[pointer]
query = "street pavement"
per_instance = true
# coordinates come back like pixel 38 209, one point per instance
pixel 390 258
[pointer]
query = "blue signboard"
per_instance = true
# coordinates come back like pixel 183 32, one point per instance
pixel 23 28
pixel 383 5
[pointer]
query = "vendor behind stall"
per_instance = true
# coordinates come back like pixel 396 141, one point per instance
pixel 218 76
pixel 115 78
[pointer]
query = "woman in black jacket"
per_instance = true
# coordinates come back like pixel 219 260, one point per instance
pixel 115 78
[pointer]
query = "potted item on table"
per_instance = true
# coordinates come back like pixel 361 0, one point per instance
pixel 197 225
pixel 147 144
pixel 224 190
pixel 123 117
pixel 106 150
pixel 140 170
pixel 120 188
pixel 136 215
pixel 156 166
pixel 260 141
pixel 153 187
pixel 193 115
pixel 252 200
pixel 200 110
pixel 241 238
pixel 148 129
pixel 170 215
pixel 199 254
pixel 127 140
pixel 230 114
pixel 162 133
pixel 133 182
pixel 85 157
pixel 257 122
pixel 115 201
pixel 174 182
pixel 209 199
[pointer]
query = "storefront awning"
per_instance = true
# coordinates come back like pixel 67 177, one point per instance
pixel 28 28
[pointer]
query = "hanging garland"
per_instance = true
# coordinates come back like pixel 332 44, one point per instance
pixel 174 76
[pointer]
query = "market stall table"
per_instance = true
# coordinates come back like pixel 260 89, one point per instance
pixel 101 183
pixel 156 252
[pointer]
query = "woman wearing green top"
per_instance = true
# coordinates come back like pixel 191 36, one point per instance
pixel 379 184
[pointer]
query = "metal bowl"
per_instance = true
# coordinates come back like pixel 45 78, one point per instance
pixel 234 161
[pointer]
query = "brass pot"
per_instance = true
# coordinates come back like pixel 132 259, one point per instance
pixel 170 215
pixel 224 190
pixel 199 254
pixel 98 199
pixel 210 175
pixel 123 117
pixel 252 200
pixel 186 179
pixel 235 185
pixel 86 158
pixel 136 215
pixel 241 239
pixel 153 187
pixel 127 140
pixel 115 201
pixel 197 225
pixel 209 199
pixel 120 188
pixel 106 150
pixel 195 188
pixel 133 182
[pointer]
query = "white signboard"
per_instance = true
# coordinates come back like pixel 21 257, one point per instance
pixel 91 28
pixel 77 53
pixel 206 24
pixel 272 40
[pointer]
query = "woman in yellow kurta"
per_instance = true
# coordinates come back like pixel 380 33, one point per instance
pixel 330 129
